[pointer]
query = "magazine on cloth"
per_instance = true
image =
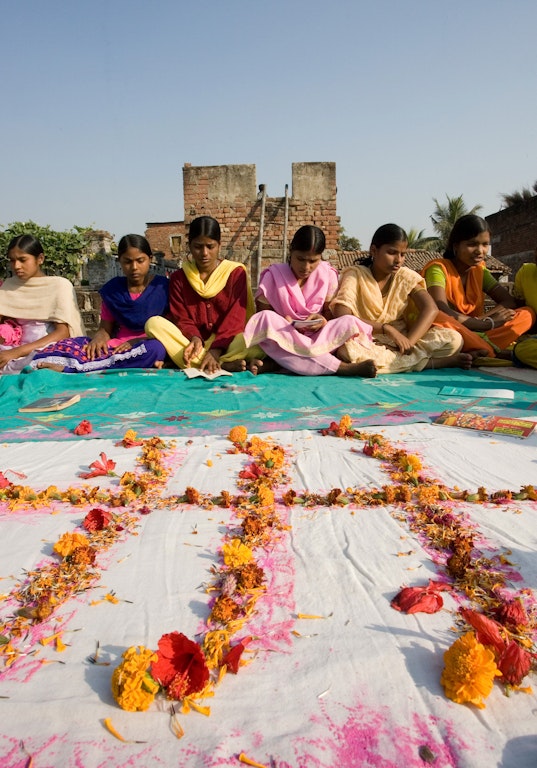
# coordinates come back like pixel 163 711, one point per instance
pixel 57 403
pixel 504 425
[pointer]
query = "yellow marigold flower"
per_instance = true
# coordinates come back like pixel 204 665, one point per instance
pixel 469 671
pixel 132 687
pixel 68 542
pixel 345 422
pixel 215 645
pixel 236 553
pixel 238 435
pixel 265 496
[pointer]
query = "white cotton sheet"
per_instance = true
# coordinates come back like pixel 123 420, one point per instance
pixel 359 687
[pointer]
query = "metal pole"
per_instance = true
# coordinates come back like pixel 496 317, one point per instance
pixel 285 222
pixel 263 192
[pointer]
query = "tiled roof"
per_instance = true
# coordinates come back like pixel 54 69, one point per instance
pixel 414 259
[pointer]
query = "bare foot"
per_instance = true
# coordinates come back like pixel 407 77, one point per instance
pixel 367 369
pixel 52 366
pixel 257 366
pixel 159 364
pixel 235 366
pixel 460 360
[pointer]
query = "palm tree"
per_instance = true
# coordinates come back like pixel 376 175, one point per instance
pixel 418 240
pixel 445 216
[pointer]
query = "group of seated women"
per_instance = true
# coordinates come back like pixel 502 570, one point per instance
pixel 376 317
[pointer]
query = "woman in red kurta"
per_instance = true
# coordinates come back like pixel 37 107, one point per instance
pixel 208 303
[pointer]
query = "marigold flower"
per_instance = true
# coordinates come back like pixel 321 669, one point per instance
pixel 469 671
pixel 180 666
pixel 225 609
pixel 238 435
pixel 236 553
pixel 249 576
pixel 132 687
pixel 192 495
pixel 68 542
pixel 130 439
pixel 265 496
pixel 84 428
pixel 97 519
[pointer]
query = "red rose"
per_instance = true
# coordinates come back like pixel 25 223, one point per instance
pixel 180 667
pixel 97 519
pixel 84 428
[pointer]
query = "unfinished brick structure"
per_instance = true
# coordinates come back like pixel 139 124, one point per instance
pixel 230 194
pixel 514 233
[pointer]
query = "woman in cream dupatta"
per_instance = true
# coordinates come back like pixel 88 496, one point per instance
pixel 44 307
pixel 209 303
pixel 393 298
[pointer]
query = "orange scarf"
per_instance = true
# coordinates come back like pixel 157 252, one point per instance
pixel 467 299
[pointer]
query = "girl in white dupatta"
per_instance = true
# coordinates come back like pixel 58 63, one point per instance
pixel 44 306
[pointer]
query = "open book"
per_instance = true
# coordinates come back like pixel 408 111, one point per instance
pixel 194 373
pixel 57 403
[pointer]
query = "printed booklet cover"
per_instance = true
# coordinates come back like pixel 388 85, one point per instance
pixel 505 425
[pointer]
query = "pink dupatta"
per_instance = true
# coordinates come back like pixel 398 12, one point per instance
pixel 279 287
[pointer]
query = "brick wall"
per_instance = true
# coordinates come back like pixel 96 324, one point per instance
pixel 514 230
pixel 231 195
pixel 163 237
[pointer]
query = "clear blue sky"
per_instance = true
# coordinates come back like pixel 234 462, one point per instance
pixel 103 101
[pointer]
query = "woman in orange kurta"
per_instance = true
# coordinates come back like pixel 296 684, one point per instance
pixel 459 282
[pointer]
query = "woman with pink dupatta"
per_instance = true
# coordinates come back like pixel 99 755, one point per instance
pixel 293 324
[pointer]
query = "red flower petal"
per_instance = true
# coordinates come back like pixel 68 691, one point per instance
pixel 97 519
pixel 417 600
pixel 233 656
pixel 487 630
pixel 514 663
pixel 180 666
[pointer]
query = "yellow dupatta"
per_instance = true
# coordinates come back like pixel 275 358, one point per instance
pixel 217 281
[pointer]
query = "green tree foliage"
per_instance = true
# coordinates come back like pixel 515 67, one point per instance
pixel 63 250
pixel 347 243
pixel 445 216
pixel 418 240
pixel 512 198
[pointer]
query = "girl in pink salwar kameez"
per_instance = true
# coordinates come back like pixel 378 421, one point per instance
pixel 293 324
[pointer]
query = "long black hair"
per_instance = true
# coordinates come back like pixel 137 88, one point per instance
pixel 204 226
pixel 385 235
pixel 465 228
pixel 27 244
pixel 134 241
pixel 308 239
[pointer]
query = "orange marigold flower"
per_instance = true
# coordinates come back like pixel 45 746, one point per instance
pixel 249 576
pixel 82 556
pixel 252 526
pixel 238 435
pixel 289 498
pixel 132 687
pixel 469 671
pixel 226 499
pixel 236 553
pixel 68 542
pixel 225 609
pixel 192 495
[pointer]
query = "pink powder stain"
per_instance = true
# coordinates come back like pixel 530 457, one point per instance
pixel 368 737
